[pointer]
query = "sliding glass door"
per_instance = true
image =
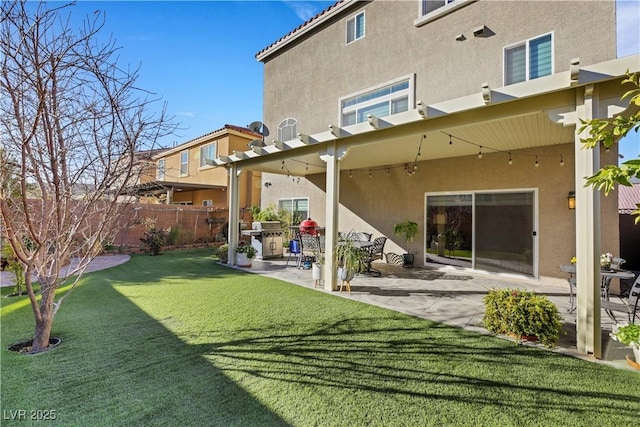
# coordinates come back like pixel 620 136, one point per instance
pixel 490 231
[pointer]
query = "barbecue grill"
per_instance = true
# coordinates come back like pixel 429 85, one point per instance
pixel 266 238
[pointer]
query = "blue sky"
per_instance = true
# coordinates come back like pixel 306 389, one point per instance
pixel 200 56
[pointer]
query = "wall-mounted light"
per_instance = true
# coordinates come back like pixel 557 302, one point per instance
pixel 571 200
pixel 268 184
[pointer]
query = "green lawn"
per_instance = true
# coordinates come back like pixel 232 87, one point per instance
pixel 178 340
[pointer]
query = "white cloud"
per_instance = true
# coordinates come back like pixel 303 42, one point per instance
pixel 303 10
pixel 185 114
pixel 628 17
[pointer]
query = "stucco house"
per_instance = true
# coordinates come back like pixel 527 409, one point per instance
pixel 186 175
pixel 461 115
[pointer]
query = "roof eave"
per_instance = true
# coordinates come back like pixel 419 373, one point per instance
pixel 305 28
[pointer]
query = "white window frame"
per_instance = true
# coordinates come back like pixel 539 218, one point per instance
pixel 354 19
pixel 288 123
pixel 161 169
pixel 450 6
pixel 184 163
pixel 293 200
pixel 526 43
pixel 409 93
pixel 204 156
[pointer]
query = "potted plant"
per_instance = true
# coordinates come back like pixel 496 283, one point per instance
pixel 524 315
pixel 629 335
pixel 349 259
pixel 408 230
pixel 245 253
pixel 317 268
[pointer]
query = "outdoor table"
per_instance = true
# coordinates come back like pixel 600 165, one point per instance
pixel 606 275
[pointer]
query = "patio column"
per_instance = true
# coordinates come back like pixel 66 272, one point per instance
pixel 234 212
pixel 587 162
pixel 332 157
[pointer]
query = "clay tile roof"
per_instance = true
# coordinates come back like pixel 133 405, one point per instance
pixel 628 198
pixel 320 16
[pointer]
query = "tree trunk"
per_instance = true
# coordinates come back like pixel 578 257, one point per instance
pixel 44 322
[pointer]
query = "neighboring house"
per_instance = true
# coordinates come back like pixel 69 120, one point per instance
pixel 185 175
pixel 460 115
pixel 628 201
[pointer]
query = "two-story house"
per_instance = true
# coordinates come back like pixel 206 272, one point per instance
pixel 461 115
pixel 186 174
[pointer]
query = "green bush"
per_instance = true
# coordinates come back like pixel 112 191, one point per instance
pixel 14 266
pixel 174 235
pixel 522 313
pixel 154 239
pixel 223 253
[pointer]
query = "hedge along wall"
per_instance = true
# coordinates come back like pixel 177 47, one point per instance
pixel 189 223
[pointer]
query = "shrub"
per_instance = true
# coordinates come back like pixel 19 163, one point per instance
pixel 522 313
pixel 223 253
pixel 154 239
pixel 14 266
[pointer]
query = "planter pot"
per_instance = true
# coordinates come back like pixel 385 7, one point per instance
pixel 317 273
pixel 242 260
pixel 345 275
pixel 407 260
pixel 636 353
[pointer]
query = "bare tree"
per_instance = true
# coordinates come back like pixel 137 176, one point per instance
pixel 71 121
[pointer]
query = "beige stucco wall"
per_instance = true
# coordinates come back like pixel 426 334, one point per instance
pixel 375 204
pixel 306 81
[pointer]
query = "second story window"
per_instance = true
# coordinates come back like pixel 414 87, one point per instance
pixel 184 162
pixel 287 129
pixel 207 152
pixel 355 28
pixel 161 170
pixel 429 6
pixel 387 99
pixel 528 60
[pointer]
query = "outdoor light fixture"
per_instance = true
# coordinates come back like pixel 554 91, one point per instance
pixel 571 200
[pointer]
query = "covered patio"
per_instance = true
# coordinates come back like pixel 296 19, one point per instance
pixel 536 121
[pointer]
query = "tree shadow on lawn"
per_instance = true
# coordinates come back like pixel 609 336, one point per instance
pixel 122 367
pixel 350 357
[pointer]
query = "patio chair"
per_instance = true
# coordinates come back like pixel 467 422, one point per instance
pixel 362 236
pixel 374 252
pixel 393 258
pixel 294 249
pixel 629 305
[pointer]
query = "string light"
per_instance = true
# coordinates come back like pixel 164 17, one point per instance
pixel 369 173
pixel 388 171
pixel 480 153
pixel 537 164
pixel 510 160
pixel 450 141
pixel 561 160
pixel 350 174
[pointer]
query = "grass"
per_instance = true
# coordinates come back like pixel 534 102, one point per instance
pixel 179 340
